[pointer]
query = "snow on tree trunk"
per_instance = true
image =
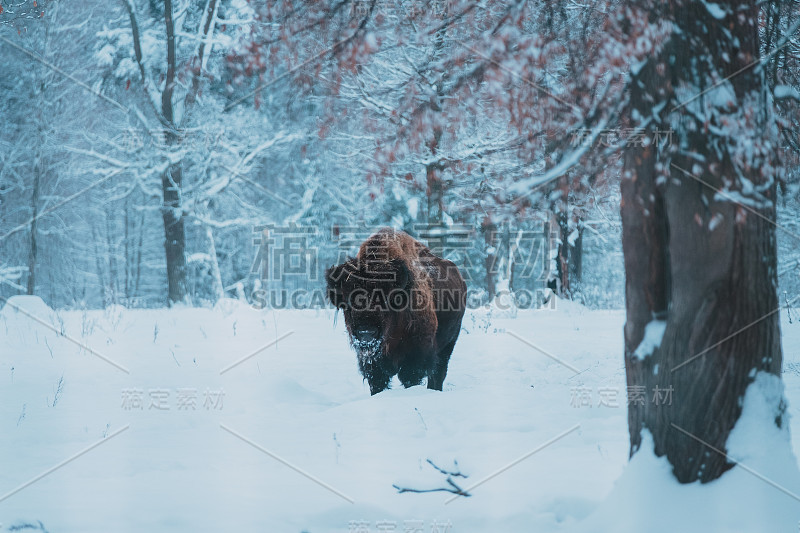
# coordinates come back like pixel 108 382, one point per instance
pixel 175 234
pixel 698 237
pixel 172 180
pixel 569 256
pixel 490 260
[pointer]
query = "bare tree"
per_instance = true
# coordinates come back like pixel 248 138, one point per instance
pixel 171 122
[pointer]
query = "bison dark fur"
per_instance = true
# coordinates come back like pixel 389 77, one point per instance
pixel 403 308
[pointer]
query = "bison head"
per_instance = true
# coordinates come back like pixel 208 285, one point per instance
pixel 370 294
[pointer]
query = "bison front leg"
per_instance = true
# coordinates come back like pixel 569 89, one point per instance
pixel 411 376
pixel 377 374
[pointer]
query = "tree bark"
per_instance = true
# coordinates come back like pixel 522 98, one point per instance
pixel 490 261
pixel 219 290
pixel 569 256
pixel 563 256
pixel 695 257
pixel 172 180
pixel 576 259
pixel 34 231
pixel 435 186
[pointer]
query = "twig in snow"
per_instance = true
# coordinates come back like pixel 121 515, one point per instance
pixel 423 424
pixel 36 527
pixel 59 388
pixel 452 485
pixel 788 307
pixel 456 473
pixel 453 488
pixel 62 327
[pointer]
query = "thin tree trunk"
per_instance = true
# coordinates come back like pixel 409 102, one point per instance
pixel 435 184
pixel 40 164
pixel 219 291
pixel 175 234
pixel 562 261
pixel 34 247
pixel 576 258
pixel 139 248
pixel 128 259
pixel 490 261
pixel 172 180
pixel 98 264
pixel 569 255
pixel 113 274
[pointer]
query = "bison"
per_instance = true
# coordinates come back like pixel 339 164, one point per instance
pixel 403 308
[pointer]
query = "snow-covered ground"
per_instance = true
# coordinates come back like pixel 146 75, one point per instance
pixel 176 436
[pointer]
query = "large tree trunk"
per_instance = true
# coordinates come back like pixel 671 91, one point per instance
pixel 697 262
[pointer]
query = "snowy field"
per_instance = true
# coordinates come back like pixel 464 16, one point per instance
pixel 179 437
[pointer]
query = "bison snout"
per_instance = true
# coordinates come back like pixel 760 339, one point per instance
pixel 367 334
